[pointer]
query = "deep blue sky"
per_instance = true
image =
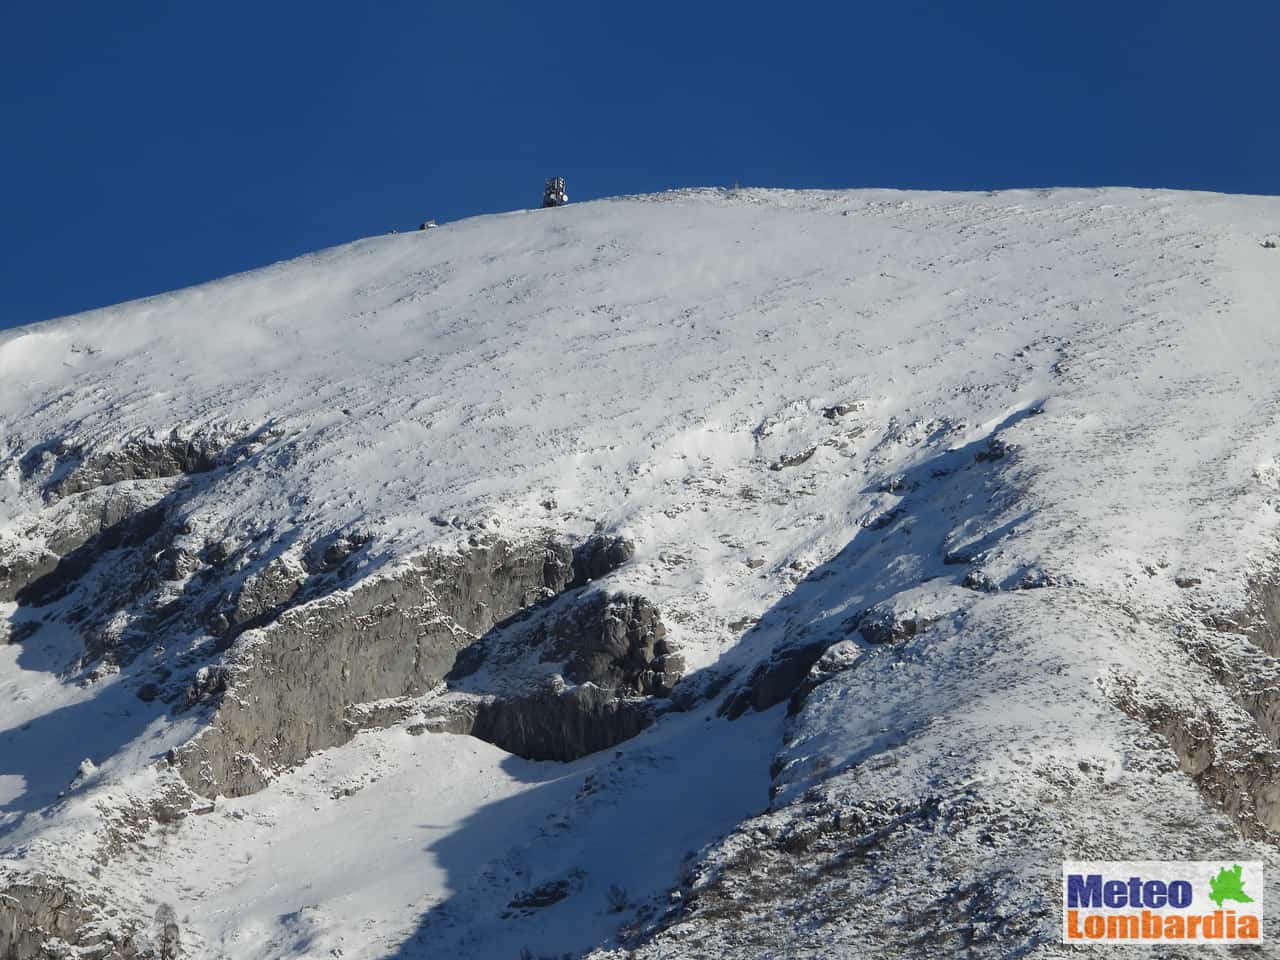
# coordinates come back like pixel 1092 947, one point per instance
pixel 146 146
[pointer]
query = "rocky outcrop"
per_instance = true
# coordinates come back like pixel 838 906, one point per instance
pixel 599 556
pixel 19 566
pixel 774 680
pixel 36 549
pixel 1229 760
pixel 290 684
pixel 510 689
pixel 554 721
pixel 151 457
pixel 313 652
pixel 304 654
pixel 1224 733
pixel 131 531
pixel 617 642
pixel 105 577
pixel 42 918
pixel 1261 620
pixel 559 722
pixel 887 624
pixel 99 500
pixel 261 598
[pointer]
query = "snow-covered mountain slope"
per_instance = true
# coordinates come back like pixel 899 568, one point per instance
pixel 856 556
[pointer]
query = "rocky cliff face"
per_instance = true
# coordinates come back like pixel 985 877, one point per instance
pixel 295 660
pixel 580 676
pixel 288 684
pixel 558 723
pixel 43 918
pixel 302 648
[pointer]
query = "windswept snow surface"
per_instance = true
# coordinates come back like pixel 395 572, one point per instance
pixel 1019 420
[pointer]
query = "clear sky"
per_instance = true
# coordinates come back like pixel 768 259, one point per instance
pixel 150 145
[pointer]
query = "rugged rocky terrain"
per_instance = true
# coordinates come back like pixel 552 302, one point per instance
pixel 723 574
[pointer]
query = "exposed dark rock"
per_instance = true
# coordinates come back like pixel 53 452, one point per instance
pixel 774 680
pixel 599 556
pixel 890 626
pixel 699 687
pixel 996 449
pixel 548 893
pixel 1237 773
pixel 839 410
pixel 1036 579
pixel 96 513
pixel 147 458
pixel 31 462
pixel 612 647
pixel 174 801
pixel 560 723
pixel 332 552
pixel 617 642
pixel 1235 765
pixel 1261 621
pixel 131 531
pixel 977 580
pixel 208 683
pixel 836 659
pixel 175 563
pixel 885 519
pixel 17 570
pixel 895 485
pixel 265 595
pixel 25 630
pixel 793 459
pixel 218 552
pixel 454 716
pixel 962 555
pixel 73 524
